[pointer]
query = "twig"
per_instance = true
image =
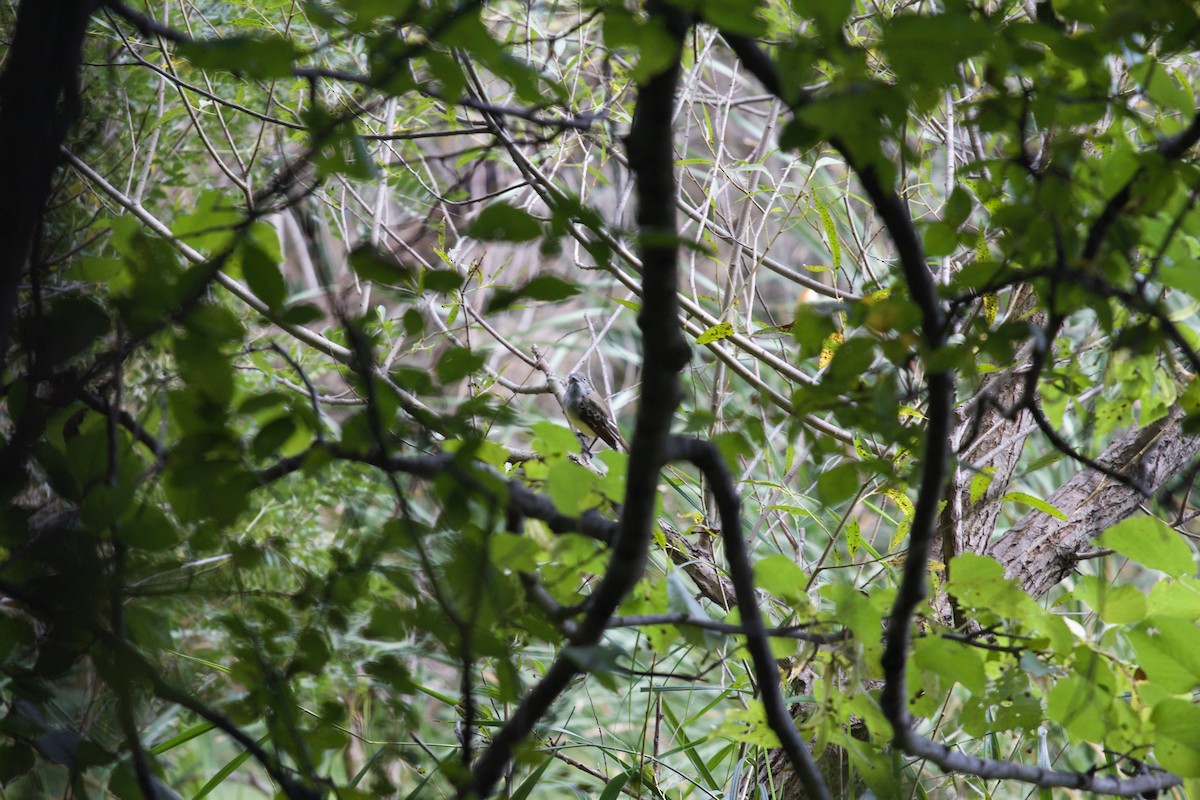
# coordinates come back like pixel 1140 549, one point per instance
pixel 708 459
pixel 796 632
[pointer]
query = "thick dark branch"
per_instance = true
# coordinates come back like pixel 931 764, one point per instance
pixel 761 66
pixel 786 632
pixel 519 498
pixel 38 103
pixel 651 154
pixel 934 470
pixel 708 459
pixel 894 213
pixel 957 761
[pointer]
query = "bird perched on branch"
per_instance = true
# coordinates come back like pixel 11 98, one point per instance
pixel 590 414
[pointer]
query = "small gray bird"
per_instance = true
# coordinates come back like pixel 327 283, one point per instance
pixel 589 413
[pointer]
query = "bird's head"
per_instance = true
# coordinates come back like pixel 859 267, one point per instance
pixel 579 382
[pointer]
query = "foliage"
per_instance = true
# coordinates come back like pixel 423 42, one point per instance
pixel 290 508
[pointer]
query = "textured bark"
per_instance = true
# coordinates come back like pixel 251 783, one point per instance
pixel 967 526
pixel 697 561
pixel 1041 550
pixel 994 439
pixel 38 102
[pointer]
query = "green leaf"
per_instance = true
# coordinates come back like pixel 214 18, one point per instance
pixel 16 759
pixel 1176 598
pixel 553 438
pixel 124 785
pixel 1168 650
pixel 71 325
pixel 513 552
pixel 958 208
pixel 1168 88
pixel 1079 705
pixel 831 234
pixel 980 482
pixel 570 485
pixel 273 436
pixel 854 539
pixel 749 725
pixel 648 38
pixel 529 784
pixel 979 582
pixel 469 32
pixel 812 326
pixel 372 265
pixel 181 738
pixel 224 772
pixel 1182 276
pixel 941 239
pixel 94 269
pixel 1117 605
pixel 680 601
pixel 442 281
pixel 838 484
pixel 149 529
pixel 1151 543
pixel 301 314
pixel 544 288
pixel 1034 502
pixel 855 611
pixel 600 660
pixel 952 660
pixel 926 49
pixel 457 363
pixel 337 147
pixel 505 223
pixel 368 11
pixel 781 576
pixel 205 368
pixel 1177 737
pixel 209 319
pixel 253 57
pixel 829 15
pixel 262 275
pixel 735 16
pixel 612 789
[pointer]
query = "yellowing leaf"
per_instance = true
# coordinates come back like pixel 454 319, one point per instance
pixel 990 305
pixel 829 347
pixel 835 245
pixel 853 536
pixel 717 332
pixel 980 483
pixel 749 725
pixel 901 500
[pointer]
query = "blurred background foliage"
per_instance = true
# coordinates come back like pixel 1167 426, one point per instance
pixel 295 242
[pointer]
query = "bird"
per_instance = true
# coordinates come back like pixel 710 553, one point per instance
pixel 589 414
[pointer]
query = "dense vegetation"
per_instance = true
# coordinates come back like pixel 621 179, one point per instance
pixel 895 304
